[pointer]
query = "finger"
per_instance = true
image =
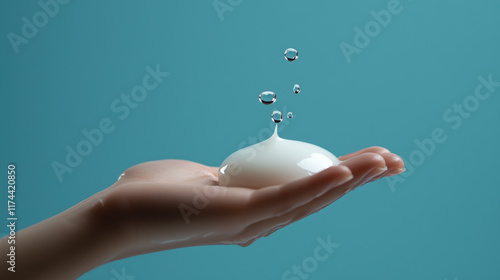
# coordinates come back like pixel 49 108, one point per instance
pixel 361 166
pixel 375 149
pixel 276 200
pixel 394 163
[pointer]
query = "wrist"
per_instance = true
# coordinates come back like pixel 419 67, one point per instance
pixel 67 245
pixel 104 229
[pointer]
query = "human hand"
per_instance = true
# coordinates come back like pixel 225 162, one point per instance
pixel 170 204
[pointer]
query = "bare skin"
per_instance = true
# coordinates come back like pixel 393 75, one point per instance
pixel 170 204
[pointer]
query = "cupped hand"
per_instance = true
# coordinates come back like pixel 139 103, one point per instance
pixel 168 204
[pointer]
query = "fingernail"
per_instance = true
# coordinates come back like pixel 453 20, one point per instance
pixel 343 181
pixel 377 171
pixel 348 179
pixel 396 171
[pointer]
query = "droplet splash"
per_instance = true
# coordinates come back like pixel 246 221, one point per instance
pixel 291 54
pixel 276 116
pixel 289 115
pixel 296 88
pixel 267 97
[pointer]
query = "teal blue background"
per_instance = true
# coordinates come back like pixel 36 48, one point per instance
pixel 442 222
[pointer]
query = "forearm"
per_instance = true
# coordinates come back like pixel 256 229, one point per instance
pixel 62 247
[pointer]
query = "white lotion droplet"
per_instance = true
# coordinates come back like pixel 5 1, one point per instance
pixel 272 162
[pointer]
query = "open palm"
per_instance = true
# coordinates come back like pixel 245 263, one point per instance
pixel 169 204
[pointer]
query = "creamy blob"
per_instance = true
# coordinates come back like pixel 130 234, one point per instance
pixel 272 162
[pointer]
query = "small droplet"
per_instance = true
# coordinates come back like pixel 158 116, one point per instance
pixel 277 117
pixel 291 54
pixel 296 88
pixel 289 115
pixel 267 97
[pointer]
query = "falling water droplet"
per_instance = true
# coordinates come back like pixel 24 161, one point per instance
pixel 291 54
pixel 267 97
pixel 276 116
pixel 289 115
pixel 296 88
